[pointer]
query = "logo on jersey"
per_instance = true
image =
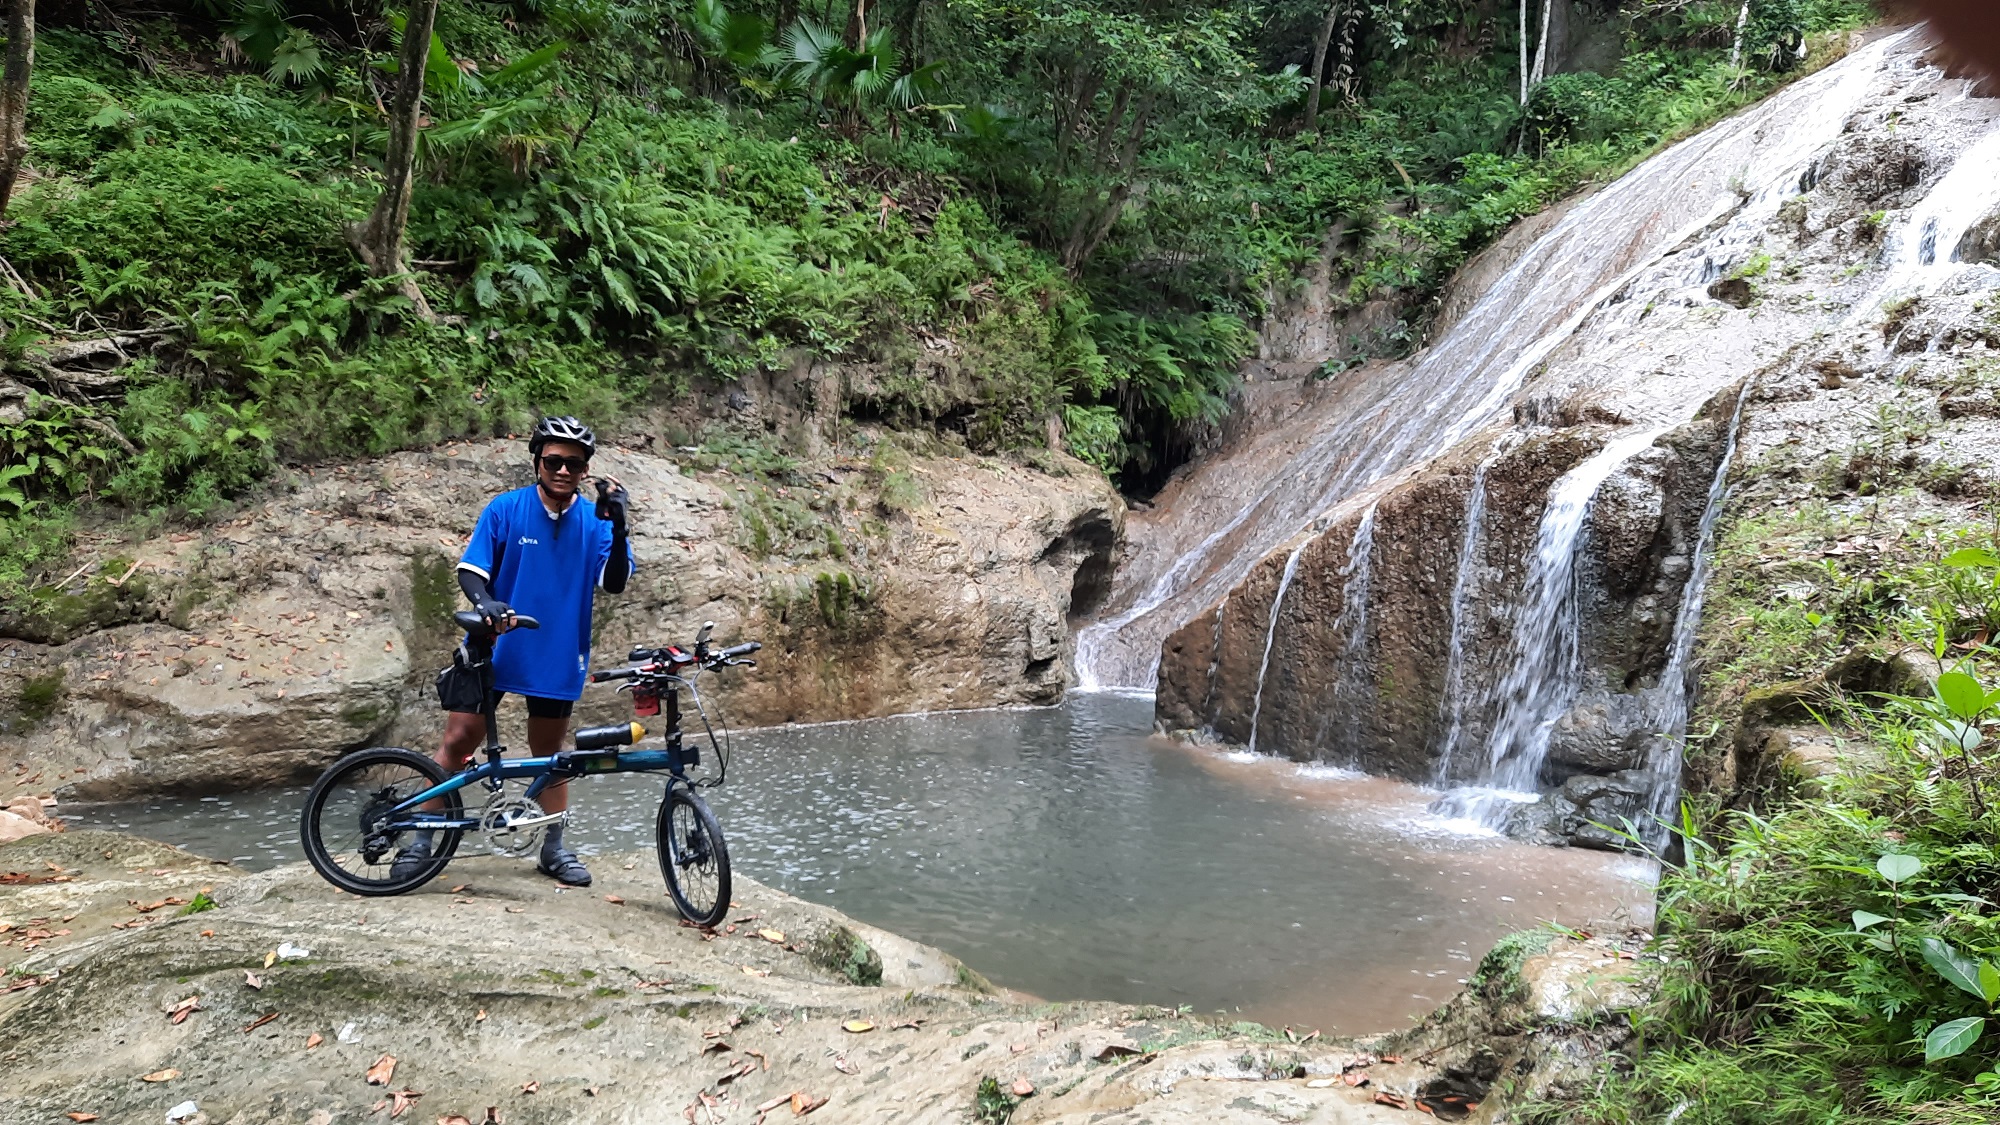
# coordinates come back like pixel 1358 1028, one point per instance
pixel 527 542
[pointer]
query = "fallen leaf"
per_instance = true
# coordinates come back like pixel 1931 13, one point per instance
pixel 260 1021
pixel 1017 1048
pixel 517 910
pixel 1322 1083
pixel 803 1104
pixel 167 1075
pixel 766 1107
pixel 717 1046
pixel 738 1071
pixel 208 933
pixel 750 972
pixel 492 1115
pixel 401 1101
pixel 913 1025
pixel 181 1011
pixel 1022 1087
pixel 314 1040
pixel 590 1091
pixel 460 889
pixel 531 1086
pixel 383 1070
pixel 841 1064
pixel 758 1055
pixel 857 1026
pixel 81 1116
pixel 775 937
pixel 1392 1058
pixel 1394 1101
pixel 614 900
pixel 454 1119
pixel 270 958
pixel 481 1017
pixel 252 980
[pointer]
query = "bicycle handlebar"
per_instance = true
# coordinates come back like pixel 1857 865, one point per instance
pixel 474 622
pixel 734 651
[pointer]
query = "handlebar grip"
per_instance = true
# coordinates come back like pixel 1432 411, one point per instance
pixel 610 674
pixel 473 622
pixel 744 649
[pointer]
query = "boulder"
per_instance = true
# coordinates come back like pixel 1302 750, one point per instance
pixel 1602 735
pixel 14 826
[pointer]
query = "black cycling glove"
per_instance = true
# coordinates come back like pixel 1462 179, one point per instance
pixel 612 501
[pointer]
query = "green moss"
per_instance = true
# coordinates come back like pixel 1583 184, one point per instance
pixel 594 1022
pixel 1499 972
pixel 841 950
pixel 433 592
pixel 39 696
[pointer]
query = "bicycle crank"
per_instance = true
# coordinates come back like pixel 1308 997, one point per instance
pixel 513 825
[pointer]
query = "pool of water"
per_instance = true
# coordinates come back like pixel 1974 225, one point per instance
pixel 1070 854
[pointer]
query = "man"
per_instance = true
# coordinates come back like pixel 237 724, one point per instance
pixel 538 551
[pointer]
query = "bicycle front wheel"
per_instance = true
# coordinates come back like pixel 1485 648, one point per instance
pixel 343 826
pixel 693 857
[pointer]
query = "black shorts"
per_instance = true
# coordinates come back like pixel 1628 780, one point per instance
pixel 538 707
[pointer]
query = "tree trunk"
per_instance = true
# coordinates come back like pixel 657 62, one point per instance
pixel 857 25
pixel 14 96
pixel 788 14
pixel 906 32
pixel 1735 48
pixel 1542 48
pixel 379 241
pixel 1086 86
pixel 1319 64
pixel 1091 230
pixel 1524 53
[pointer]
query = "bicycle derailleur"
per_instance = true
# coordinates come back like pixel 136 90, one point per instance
pixel 513 825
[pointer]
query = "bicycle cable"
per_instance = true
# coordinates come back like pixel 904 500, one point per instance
pixel 723 747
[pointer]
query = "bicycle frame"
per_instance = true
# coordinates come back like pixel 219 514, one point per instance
pixel 673 758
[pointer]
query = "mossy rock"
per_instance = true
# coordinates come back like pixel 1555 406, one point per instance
pixel 54 617
pixel 1499 974
pixel 841 951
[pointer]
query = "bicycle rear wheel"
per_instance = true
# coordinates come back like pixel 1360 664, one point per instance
pixel 693 857
pixel 340 826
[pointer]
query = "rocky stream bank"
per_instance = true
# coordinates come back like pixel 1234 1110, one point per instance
pixel 495 988
pixel 255 651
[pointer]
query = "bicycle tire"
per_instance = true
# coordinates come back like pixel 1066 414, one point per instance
pixel 346 774
pixel 693 857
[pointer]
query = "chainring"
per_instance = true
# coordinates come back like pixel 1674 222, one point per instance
pixel 498 820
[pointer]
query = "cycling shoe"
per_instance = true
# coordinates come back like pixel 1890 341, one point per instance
pixel 411 861
pixel 563 866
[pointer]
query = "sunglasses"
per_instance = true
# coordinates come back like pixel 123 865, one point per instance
pixel 557 464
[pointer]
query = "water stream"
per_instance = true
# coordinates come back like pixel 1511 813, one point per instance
pixel 1544 672
pixel 1455 684
pixel 1067 853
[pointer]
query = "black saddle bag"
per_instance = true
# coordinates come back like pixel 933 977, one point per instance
pixel 462 687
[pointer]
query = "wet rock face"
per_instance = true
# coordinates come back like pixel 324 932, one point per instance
pixel 263 648
pixel 1361 681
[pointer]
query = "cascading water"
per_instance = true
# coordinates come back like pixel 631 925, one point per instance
pixel 1671 709
pixel 1382 421
pixel 1545 673
pixel 1461 597
pixel 1271 634
pixel 1351 624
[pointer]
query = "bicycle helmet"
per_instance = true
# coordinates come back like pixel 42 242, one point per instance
pixel 563 429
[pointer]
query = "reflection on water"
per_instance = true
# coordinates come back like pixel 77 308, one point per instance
pixel 1068 854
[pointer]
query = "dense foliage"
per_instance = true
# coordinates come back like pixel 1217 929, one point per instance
pixel 1082 206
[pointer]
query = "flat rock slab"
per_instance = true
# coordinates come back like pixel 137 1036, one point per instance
pixel 492 980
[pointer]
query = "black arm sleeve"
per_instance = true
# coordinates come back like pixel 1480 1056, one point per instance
pixel 618 567
pixel 474 585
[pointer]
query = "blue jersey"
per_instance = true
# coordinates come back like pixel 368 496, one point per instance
pixel 548 568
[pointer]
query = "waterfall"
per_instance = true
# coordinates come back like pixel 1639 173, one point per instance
pixel 1663 764
pixel 1271 634
pixel 1453 704
pixel 1215 657
pixel 1380 421
pixel 1350 626
pixel 1545 673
